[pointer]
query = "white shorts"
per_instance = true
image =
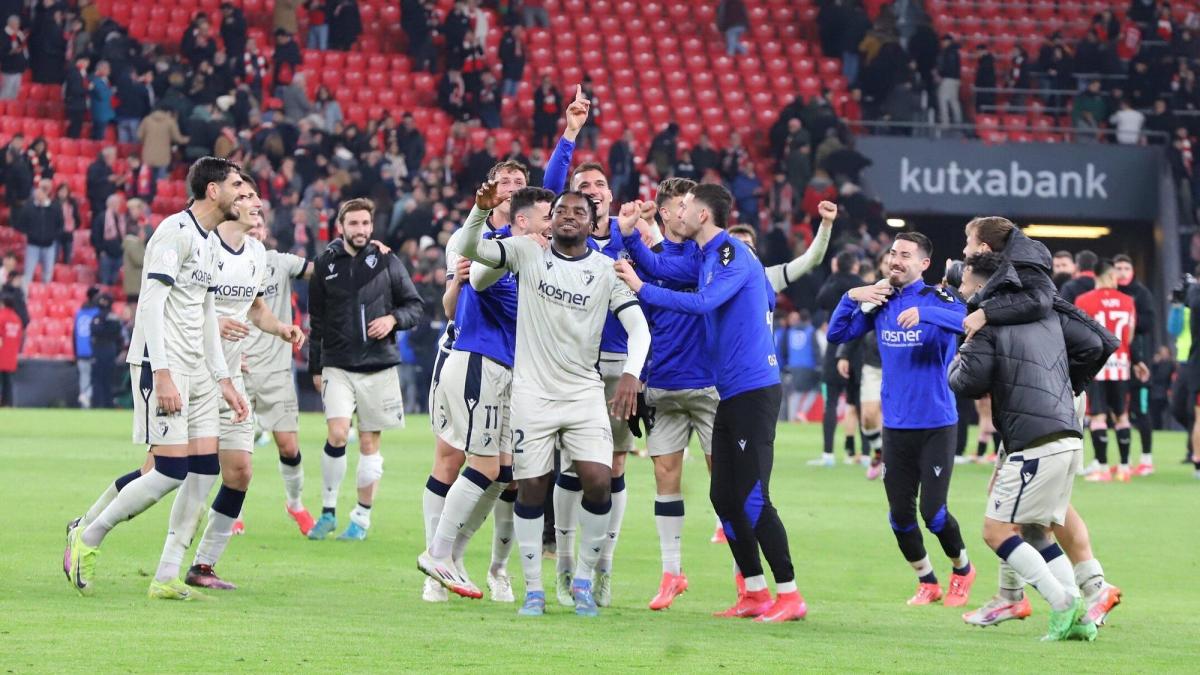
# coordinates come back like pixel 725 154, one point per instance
pixel 374 396
pixel 237 435
pixel 198 418
pixel 579 429
pixel 677 413
pixel 611 369
pixel 471 406
pixel 273 398
pixel 870 384
pixel 439 360
pixel 1034 486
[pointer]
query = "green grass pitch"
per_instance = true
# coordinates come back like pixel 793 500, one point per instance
pixel 336 607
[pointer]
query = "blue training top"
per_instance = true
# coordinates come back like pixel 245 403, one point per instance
pixel 734 297
pixel 487 320
pixel 613 339
pixel 916 393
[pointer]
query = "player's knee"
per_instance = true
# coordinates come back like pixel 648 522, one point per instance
pixel 288 446
pixel 370 469
pixel 488 466
pixel 339 435
pixel 935 516
pixel 1098 424
pixel 722 502
pixel 1037 536
pixel 902 521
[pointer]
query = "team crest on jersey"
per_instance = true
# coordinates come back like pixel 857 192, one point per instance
pixel 371 260
pixel 221 265
pixel 588 277
pixel 163 428
pixel 726 253
pixel 549 263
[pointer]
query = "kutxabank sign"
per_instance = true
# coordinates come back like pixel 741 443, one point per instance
pixel 1017 180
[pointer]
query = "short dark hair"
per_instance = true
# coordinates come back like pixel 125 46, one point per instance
pixel 919 239
pixel 742 229
pixel 527 197
pixel 846 260
pixel 1103 266
pixel 1064 254
pixel 1122 258
pixel 992 230
pixel 672 187
pixel 508 165
pixel 591 204
pixel 586 166
pixel 356 204
pixel 208 170
pixel 985 264
pixel 718 200
pixel 1086 261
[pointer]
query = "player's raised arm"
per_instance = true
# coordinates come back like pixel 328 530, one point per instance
pixel 782 276
pixel 726 281
pixel 474 246
pixel 559 164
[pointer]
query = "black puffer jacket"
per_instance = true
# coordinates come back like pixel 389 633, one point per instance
pixel 1026 370
pixel 346 294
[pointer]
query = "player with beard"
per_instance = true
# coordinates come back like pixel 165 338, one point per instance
pixel 358 299
pixel 565 295
pixel 917 330
pixel 240 281
pixel 178 374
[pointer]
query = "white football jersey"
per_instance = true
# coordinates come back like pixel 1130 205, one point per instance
pixel 182 255
pixel 241 277
pixel 267 353
pixel 562 304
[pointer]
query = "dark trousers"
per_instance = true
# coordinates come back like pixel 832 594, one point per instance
pixel 6 389
pixel 918 464
pixel 75 123
pixel 743 451
pixel 834 388
pixel 102 379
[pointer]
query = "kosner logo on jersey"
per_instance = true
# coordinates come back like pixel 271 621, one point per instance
pixel 1032 180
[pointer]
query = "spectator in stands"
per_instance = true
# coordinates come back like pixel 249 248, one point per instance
pixel 1088 111
pixel 197 45
pixel 158 133
pixel 452 96
pixel 420 24
pixel 133 103
pixel 1186 46
pixel 488 102
pixel 102 180
pixel 795 154
pixel 948 75
pixel 108 231
pixel 1162 121
pixel 75 96
pixel 1128 123
pixel 327 107
pixel 345 24
pixel 48 45
pixel 1018 76
pixel 81 342
pixel 133 249
pixel 233 30
pixel 733 20
pixel 294 95
pixel 284 17
pixel 512 60
pixel 985 78
pixel 108 340
pixel 39 159
pixel 746 190
pixel 535 13
pixel 12 329
pixel 547 104
pixel 15 59
pixel 664 149
pixel 10 286
pixel 455 28
pixel 684 166
pixel 705 156
pixel 100 99
pixel 40 220
pixel 733 156
pixel 287 54
pixel 71 220
pixel 621 167
pixel 318 26
pixel 18 173
pixel 1106 26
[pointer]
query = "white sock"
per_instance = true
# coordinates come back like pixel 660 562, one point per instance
pixel 216 537
pixel 922 566
pixel 756 583
pixel 529 541
pixel 293 483
pixel 785 587
pixel 1089 578
pixel 961 561
pixel 1060 568
pixel 566 517
pixel 190 502
pixel 1147 459
pixel 619 497
pixel 477 518
pixel 333 470
pixel 594 522
pixel 361 515
pixel 433 500
pixel 461 500
pixel 1028 562
pixel 668 517
pixel 1012 586
pixel 138 496
pixel 110 493
pixel 502 535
